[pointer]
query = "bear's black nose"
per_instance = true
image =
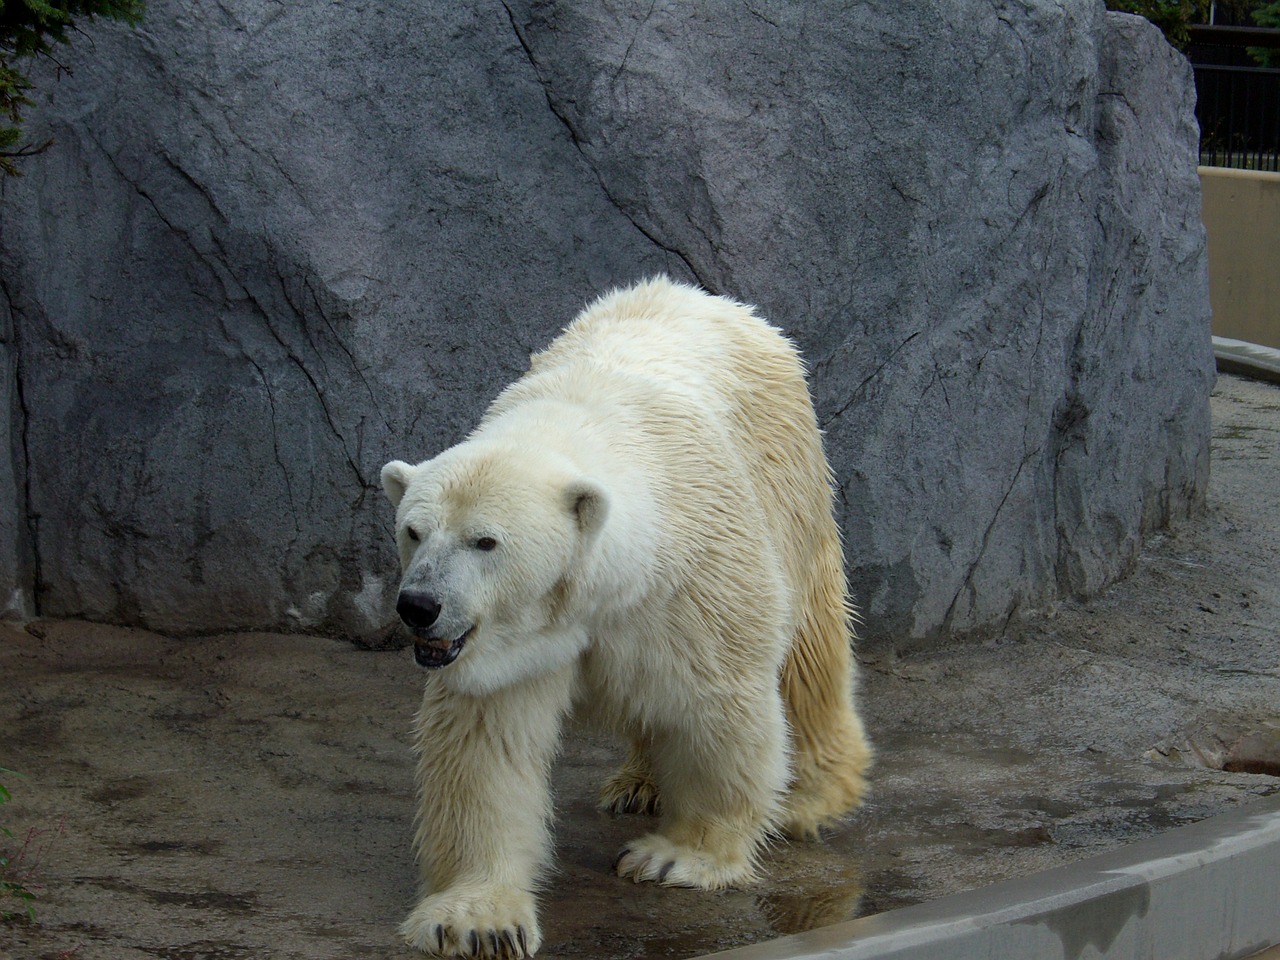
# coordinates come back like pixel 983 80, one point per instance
pixel 417 610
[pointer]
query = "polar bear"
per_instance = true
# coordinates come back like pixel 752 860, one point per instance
pixel 640 529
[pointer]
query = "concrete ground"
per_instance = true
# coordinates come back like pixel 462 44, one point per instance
pixel 250 795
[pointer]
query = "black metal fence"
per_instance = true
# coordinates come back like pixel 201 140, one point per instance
pixel 1237 100
pixel 1239 113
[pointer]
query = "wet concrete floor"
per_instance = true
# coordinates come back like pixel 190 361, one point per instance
pixel 250 795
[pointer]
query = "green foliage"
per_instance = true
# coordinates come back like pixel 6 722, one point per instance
pixel 33 28
pixel 1175 16
pixel 1171 16
pixel 1267 15
pixel 11 887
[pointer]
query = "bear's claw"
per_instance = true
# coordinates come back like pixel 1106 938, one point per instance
pixel 656 859
pixel 497 924
pixel 646 804
pixel 626 793
pixel 640 867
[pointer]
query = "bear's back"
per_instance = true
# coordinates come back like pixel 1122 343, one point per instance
pixel 705 366
pixel 673 334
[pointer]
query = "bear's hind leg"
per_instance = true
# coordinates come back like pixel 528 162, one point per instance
pixel 632 789
pixel 830 754
pixel 829 777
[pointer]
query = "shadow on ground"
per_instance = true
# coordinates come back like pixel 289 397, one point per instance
pixel 250 796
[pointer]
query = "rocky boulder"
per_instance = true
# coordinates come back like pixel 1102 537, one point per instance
pixel 276 245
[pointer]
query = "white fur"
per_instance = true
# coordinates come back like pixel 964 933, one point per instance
pixel 655 487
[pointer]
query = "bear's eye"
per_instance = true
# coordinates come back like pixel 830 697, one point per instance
pixel 485 543
pixel 412 534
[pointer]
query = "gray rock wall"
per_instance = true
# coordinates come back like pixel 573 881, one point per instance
pixel 277 245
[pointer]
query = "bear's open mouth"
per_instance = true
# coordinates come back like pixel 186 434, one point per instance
pixel 434 653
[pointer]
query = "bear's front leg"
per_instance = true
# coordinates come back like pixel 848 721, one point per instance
pixel 484 804
pixel 721 780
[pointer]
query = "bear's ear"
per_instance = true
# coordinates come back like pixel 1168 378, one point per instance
pixel 395 480
pixel 589 504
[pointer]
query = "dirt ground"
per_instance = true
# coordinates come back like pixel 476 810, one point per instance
pixel 250 795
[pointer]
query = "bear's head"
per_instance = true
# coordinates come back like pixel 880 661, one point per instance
pixel 491 539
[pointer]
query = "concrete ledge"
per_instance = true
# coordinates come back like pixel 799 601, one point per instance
pixel 1210 891
pixel 1247 359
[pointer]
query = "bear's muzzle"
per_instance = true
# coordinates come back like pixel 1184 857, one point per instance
pixel 433 653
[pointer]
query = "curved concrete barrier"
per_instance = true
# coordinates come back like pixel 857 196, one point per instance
pixel 1210 891
pixel 1247 359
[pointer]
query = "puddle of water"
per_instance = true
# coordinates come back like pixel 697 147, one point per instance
pixel 204 950
pixel 202 847
pixel 118 791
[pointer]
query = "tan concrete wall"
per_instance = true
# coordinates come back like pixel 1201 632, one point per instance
pixel 1241 210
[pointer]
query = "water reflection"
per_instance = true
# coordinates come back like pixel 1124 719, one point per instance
pixel 831 893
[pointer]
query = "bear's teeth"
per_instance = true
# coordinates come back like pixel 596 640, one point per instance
pixel 432 652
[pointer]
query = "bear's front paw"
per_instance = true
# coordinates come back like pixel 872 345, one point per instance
pixel 658 859
pixel 493 922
